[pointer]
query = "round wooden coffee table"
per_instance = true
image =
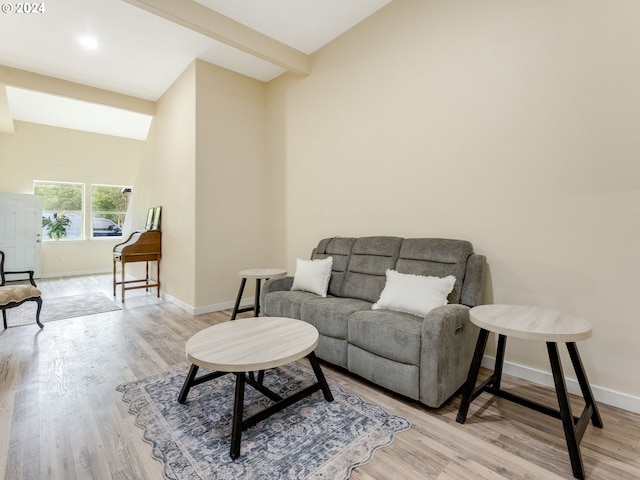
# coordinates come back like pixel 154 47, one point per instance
pixel 247 345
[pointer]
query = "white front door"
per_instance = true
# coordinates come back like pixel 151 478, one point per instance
pixel 21 232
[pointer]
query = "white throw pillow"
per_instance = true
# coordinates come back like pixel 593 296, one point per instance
pixel 416 294
pixel 313 275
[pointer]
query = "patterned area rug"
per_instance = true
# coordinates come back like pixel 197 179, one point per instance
pixel 312 439
pixel 60 308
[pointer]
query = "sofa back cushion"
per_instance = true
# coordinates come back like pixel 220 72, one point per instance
pixel 370 258
pixel 340 249
pixel 436 257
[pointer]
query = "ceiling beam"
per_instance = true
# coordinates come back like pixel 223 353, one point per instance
pixel 205 21
pixel 56 86
pixel 6 120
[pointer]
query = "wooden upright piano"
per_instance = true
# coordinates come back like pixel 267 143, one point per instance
pixel 141 246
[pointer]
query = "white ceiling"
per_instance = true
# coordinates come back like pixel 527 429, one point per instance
pixel 140 54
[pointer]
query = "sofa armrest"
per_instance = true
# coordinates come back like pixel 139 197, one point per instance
pixel 275 285
pixel 474 281
pixel 448 343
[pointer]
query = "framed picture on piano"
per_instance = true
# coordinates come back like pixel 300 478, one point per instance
pixel 150 215
pixel 156 218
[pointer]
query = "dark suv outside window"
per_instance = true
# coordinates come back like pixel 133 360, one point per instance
pixel 103 227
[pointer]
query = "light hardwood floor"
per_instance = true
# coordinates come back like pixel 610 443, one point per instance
pixel 61 417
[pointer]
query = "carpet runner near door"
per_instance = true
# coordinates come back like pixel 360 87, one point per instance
pixel 59 308
pixel 312 439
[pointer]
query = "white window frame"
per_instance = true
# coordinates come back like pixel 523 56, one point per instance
pixel 77 216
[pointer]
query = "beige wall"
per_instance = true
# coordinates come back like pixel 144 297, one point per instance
pixel 166 177
pixel 510 124
pixel 38 152
pixel 233 215
pixel 205 164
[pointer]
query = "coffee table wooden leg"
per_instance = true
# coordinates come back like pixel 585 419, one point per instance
pixel 324 386
pixel 188 382
pixel 236 429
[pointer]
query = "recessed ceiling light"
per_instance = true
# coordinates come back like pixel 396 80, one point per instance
pixel 89 42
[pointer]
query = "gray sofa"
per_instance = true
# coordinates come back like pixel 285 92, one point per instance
pixel 426 359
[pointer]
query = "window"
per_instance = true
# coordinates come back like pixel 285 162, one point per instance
pixel 109 208
pixel 62 209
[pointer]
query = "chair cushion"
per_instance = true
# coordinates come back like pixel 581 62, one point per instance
pixel 17 293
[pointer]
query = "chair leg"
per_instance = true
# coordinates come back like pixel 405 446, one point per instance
pixel 39 302
pixel 4 318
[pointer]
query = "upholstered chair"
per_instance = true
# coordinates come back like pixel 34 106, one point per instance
pixel 15 295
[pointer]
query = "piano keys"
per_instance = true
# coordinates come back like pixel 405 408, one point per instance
pixel 141 246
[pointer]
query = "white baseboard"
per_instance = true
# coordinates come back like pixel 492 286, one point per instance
pixel 76 273
pixel 600 394
pixel 178 303
pixel 222 306
pixel 206 309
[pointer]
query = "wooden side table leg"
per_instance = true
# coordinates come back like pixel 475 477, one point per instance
pixel 474 369
pixel 497 370
pixel 256 303
pixel 123 289
pixel 236 429
pixel 158 273
pixel 584 384
pixel 565 411
pixel 238 298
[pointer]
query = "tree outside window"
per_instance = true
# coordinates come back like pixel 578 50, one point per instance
pixel 109 207
pixel 62 209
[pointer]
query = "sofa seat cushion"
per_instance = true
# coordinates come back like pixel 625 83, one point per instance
pixel 329 315
pixel 386 333
pixel 285 303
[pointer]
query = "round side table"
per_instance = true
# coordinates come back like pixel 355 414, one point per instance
pixel 258 274
pixel 537 324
